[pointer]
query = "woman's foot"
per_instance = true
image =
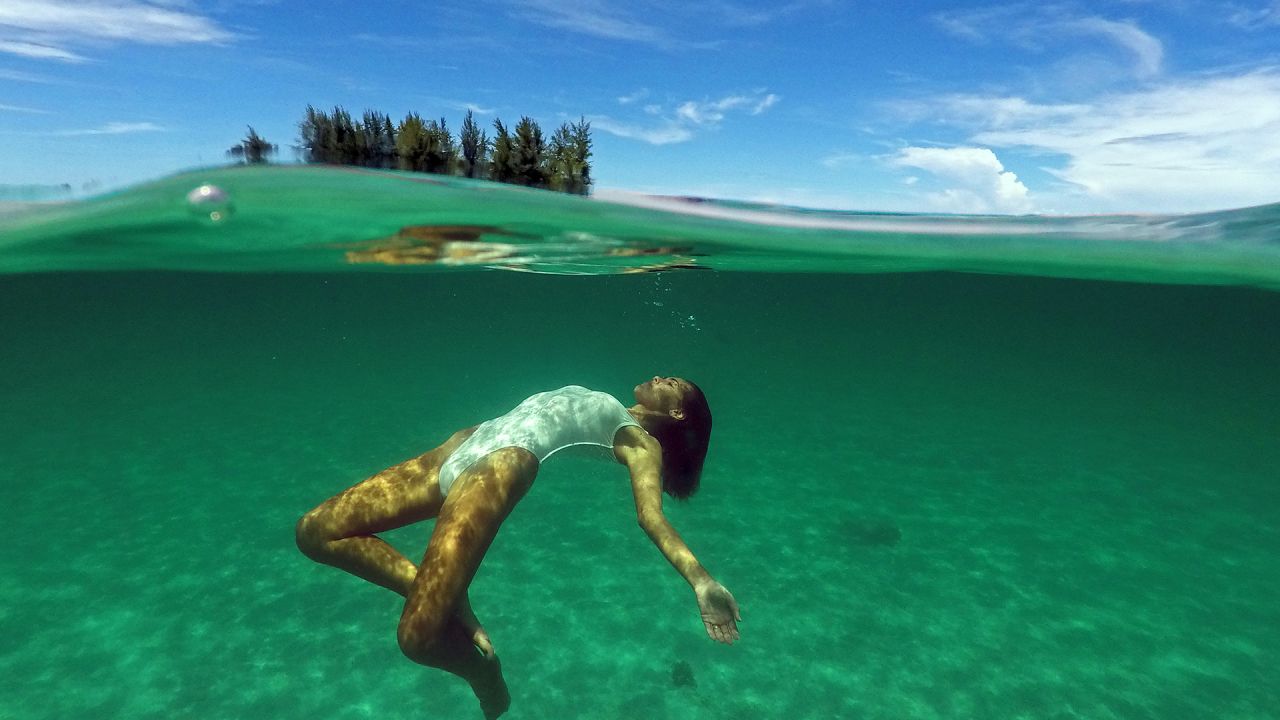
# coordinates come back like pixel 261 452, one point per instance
pixel 491 689
pixel 475 631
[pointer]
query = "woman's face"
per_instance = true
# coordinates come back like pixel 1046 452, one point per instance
pixel 663 394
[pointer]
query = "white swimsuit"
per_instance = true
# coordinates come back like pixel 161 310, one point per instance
pixel 543 424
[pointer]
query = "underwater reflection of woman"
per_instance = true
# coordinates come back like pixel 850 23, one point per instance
pixel 473 481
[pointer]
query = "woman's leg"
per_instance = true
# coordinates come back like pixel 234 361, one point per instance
pixel 341 531
pixel 430 632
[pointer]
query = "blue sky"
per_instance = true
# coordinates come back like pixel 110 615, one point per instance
pixel 1080 107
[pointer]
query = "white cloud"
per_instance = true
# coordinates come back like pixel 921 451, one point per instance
pixel 38 51
pixel 995 112
pixel 633 97
pixel 1147 50
pixel 736 14
pixel 979 183
pixel 688 117
pixel 1198 144
pixel 975 25
pixel 128 20
pixel 1256 18
pixel 591 17
pixel 462 105
pixel 659 23
pixel 44 28
pixel 839 160
pixel 20 109
pixel 699 113
pixel 765 103
pixel 665 134
pixel 1034 27
pixel 115 128
pixel 711 112
pixel 17 76
pixel 456 104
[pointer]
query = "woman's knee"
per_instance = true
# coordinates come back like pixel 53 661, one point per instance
pixel 309 535
pixel 418 636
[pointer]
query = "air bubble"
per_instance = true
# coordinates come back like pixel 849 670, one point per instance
pixel 688 323
pixel 210 203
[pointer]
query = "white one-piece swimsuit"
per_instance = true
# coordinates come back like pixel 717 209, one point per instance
pixel 543 424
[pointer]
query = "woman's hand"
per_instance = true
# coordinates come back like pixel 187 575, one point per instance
pixel 719 611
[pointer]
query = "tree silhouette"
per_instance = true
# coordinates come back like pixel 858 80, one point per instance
pixel 581 132
pixel 438 150
pixel 523 157
pixel 503 167
pixel 529 154
pixel 475 146
pixel 253 150
pixel 315 131
pixel 342 143
pixel 379 147
pixel 568 154
pixel 388 150
pixel 560 160
pixel 411 143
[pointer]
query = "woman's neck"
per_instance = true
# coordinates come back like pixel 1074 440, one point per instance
pixel 648 419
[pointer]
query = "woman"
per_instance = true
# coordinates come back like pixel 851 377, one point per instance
pixel 471 483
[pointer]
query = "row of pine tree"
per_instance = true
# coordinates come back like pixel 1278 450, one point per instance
pixel 521 156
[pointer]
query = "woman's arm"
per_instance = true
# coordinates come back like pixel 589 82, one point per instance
pixel 646 488
pixel 719 610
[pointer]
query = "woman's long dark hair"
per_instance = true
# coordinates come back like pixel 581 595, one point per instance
pixel 684 446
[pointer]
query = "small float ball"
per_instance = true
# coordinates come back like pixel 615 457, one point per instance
pixel 210 202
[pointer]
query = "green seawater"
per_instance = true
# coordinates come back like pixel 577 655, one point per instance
pixel 961 467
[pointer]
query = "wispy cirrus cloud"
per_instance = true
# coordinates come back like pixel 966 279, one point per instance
pixel 49 29
pixel 666 133
pixel 711 112
pixel 39 51
pixel 455 44
pixel 18 76
pixel 1256 18
pixel 735 14
pixel 1037 27
pixel 658 23
pixel 1193 144
pixel 1147 51
pixel 636 96
pixel 462 105
pixel 113 128
pixel 991 111
pixel 683 121
pixel 597 18
pixel 21 109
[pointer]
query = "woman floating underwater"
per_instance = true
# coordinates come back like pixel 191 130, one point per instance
pixel 473 481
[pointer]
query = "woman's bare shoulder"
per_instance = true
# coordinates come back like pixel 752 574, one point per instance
pixel 633 444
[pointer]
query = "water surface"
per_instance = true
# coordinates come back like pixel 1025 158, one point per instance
pixel 968 490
